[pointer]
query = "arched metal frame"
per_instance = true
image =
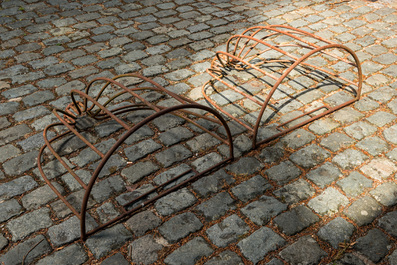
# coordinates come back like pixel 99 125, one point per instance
pixel 90 106
pixel 239 58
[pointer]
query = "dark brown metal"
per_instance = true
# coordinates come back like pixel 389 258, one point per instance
pixel 91 106
pixel 243 48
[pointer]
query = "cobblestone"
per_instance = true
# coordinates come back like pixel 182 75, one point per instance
pixel 29 223
pixel 379 168
pixel 17 187
pixel 328 202
pixel 228 231
pixel 64 256
pixel 388 223
pixel 374 245
pixel 16 254
pixel 9 209
pixel 305 251
pixel 145 250
pixel 107 240
pixel 283 173
pixel 386 194
pixel 354 184
pixel 216 207
pixel 295 192
pixel 143 222
pixel 258 244
pixel 190 252
pixel 180 226
pixel 363 211
pixel 261 211
pixel 295 220
pixel 175 201
pixel 52 47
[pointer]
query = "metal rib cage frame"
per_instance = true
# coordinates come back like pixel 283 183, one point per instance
pixel 91 106
pixel 240 51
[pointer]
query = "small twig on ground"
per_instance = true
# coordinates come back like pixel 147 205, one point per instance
pixel 30 250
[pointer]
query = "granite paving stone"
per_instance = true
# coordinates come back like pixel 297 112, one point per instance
pixel 3 242
pixel 14 133
pixel 385 193
pixel 7 152
pixel 373 145
pixel 251 188
pixel 172 155
pixel 323 126
pixel 50 47
pixel 354 184
pixel 175 202
pixel 272 154
pixel 360 129
pixel 143 222
pixel 297 138
pixel 67 231
pixel 118 258
pixel 216 207
pixel 328 202
pixel 8 108
pixel 309 156
pixel 295 220
pixel 106 212
pixel 390 134
pixel 336 231
pixel 64 256
pixel 17 187
pixel 165 176
pixel 245 166
pixel 145 250
pixel 207 161
pixel 304 251
pixel 9 209
pixel 262 210
pixel 379 168
pixel 283 172
pixel 375 245
pixel 349 159
pixel 16 254
pixel 189 253
pixel 336 141
pixel 141 149
pixel 324 175
pixel 295 192
pixel 180 226
pixel 228 231
pixel 388 223
pixel 258 244
pixel 40 196
pixel 213 183
pixel 107 187
pixel 127 197
pixel 107 240
pixel 226 257
pixel 381 118
pixel 29 223
pixel 363 211
pixel 167 122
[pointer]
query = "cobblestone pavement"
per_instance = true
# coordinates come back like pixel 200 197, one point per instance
pixel 324 194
